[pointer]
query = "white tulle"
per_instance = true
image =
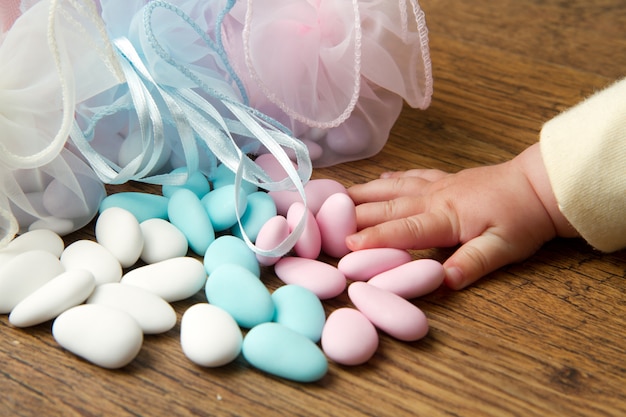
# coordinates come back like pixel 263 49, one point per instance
pixel 38 94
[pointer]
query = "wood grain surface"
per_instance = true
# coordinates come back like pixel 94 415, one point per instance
pixel 540 338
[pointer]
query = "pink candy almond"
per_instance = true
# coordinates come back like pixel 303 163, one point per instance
pixel 271 234
pixel 348 337
pixel 389 312
pixel 336 220
pixel 322 279
pixel 309 244
pixel 316 191
pixel 365 264
pixel 411 280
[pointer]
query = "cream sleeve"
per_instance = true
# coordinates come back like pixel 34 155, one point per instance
pixel 584 150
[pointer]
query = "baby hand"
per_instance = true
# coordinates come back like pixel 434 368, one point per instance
pixel 496 214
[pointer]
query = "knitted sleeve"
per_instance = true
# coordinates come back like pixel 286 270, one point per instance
pixel 584 150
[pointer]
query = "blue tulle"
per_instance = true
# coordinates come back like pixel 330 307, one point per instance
pixel 178 75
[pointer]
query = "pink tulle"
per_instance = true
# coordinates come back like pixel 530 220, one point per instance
pixel 9 12
pixel 335 72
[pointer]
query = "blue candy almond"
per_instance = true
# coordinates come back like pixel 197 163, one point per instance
pixel 280 351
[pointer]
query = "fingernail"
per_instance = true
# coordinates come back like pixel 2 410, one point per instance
pixel 454 278
pixel 352 241
pixel 385 175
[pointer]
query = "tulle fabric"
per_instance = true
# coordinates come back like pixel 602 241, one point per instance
pixel 9 12
pixel 123 90
pixel 335 72
pixel 181 105
pixel 42 182
pixel 38 91
pixel 152 85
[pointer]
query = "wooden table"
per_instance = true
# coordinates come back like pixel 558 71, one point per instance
pixel 542 338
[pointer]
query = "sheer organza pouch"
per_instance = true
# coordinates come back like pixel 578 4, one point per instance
pixel 335 72
pixel 182 106
pixel 43 183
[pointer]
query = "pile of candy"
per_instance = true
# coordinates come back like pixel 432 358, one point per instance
pixel 104 296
